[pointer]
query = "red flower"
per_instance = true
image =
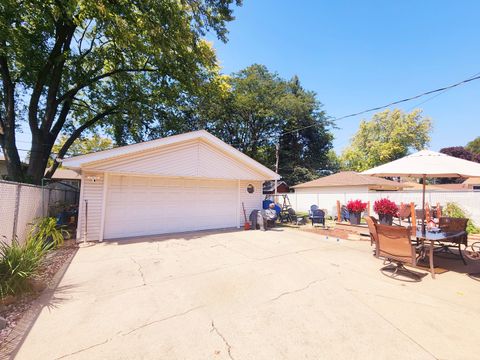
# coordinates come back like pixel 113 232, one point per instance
pixel 356 206
pixel 385 207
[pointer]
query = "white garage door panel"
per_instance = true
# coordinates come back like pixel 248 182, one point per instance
pixel 138 206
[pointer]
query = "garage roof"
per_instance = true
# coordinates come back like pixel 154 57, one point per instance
pixel 137 150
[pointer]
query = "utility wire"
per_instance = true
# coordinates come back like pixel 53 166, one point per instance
pixel 438 92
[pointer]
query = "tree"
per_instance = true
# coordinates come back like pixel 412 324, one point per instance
pixel 83 145
pixel 389 135
pixel 68 66
pixel 257 110
pixel 474 146
pixel 461 153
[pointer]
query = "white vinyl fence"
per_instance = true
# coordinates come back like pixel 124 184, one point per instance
pixel 20 204
pixel 469 201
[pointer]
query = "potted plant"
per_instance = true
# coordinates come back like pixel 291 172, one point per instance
pixel 355 209
pixel 386 210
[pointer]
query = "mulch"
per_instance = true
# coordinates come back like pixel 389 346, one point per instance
pixel 13 308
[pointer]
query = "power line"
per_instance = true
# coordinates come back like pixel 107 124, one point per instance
pixel 442 90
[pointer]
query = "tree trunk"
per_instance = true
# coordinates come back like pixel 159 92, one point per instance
pixel 40 152
pixel 7 125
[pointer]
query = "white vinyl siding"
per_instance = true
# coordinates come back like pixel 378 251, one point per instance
pixel 251 201
pixel 93 193
pixel 192 159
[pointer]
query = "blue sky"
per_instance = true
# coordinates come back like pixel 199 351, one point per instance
pixel 360 54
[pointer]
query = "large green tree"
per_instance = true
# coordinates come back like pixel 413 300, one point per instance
pixel 257 111
pixel 70 65
pixel 389 135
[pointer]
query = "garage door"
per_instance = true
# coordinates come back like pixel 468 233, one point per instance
pixel 137 206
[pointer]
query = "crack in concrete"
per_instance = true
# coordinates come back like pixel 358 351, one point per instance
pixel 140 270
pixel 160 320
pixel 87 348
pixel 229 347
pixel 296 290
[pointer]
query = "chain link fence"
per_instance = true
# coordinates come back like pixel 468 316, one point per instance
pixel 21 203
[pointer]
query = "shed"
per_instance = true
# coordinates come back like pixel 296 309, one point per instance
pixel 187 182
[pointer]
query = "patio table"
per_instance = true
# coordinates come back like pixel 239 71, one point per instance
pixel 437 236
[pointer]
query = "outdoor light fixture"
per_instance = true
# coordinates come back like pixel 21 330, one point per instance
pixel 94 178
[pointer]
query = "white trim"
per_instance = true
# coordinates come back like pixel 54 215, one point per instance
pixel 239 212
pixel 104 206
pixel 80 209
pixel 82 160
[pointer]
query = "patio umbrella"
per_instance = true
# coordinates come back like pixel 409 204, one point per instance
pixel 425 164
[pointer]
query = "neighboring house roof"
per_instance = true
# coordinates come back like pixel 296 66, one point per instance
pixel 147 155
pixel 66 174
pixel 350 178
pixel 472 181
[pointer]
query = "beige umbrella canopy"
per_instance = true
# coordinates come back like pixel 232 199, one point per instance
pixel 425 164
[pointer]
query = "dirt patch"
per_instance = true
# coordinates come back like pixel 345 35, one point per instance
pixel 13 308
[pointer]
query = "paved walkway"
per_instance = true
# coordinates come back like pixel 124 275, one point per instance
pixel 282 294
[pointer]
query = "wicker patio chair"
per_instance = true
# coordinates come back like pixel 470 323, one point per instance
pixel 449 224
pixel 395 246
pixel 371 221
pixel 404 213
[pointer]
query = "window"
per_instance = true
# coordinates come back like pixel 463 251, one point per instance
pixel 250 188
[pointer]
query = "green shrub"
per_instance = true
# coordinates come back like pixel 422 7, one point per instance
pixel 46 231
pixel 455 211
pixel 18 263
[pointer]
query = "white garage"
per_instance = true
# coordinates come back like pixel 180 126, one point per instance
pixel 187 182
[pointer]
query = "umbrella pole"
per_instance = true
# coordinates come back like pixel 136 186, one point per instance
pixel 423 205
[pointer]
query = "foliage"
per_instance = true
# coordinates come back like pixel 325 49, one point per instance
pixel 18 263
pixel 356 206
pixel 461 153
pixel 455 211
pixel 388 136
pixel 72 65
pixel 474 146
pixel 83 145
pixel 385 207
pixel 257 110
pixel 300 175
pixel 45 230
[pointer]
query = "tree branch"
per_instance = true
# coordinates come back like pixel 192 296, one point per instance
pixel 60 38
pixel 73 91
pixel 76 134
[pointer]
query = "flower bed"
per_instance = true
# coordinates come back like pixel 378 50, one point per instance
pixel 13 308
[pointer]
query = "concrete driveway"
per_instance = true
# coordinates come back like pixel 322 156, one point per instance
pixel 282 294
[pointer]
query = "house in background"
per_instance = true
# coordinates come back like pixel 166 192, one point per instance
pixel 3 166
pixel 193 181
pixel 68 177
pixel 269 187
pixel 472 183
pixel 343 186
